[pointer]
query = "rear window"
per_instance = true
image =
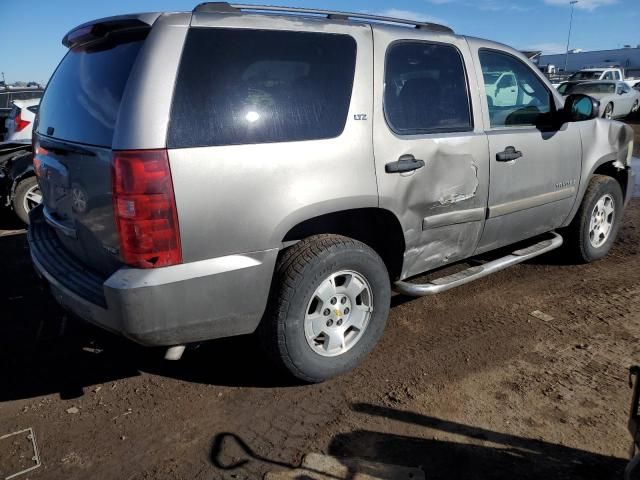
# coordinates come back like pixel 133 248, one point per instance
pixel 82 100
pixel 257 86
pixel 26 95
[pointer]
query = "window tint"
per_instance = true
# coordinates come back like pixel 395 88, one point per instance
pixel 426 89
pixel 616 75
pixel 33 108
pixel 608 76
pixel 82 100
pixel 519 101
pixel 258 86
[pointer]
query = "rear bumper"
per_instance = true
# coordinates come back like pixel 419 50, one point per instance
pixel 186 303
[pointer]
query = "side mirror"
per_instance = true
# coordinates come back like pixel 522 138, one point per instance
pixel 579 107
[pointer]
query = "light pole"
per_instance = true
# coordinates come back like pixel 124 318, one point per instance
pixel 566 56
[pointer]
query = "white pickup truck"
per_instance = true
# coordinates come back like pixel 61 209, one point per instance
pixel 604 73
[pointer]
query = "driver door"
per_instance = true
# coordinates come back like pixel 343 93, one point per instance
pixel 534 171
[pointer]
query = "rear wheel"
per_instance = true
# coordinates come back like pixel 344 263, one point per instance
pixel 26 197
pixel 329 307
pixel 608 112
pixel 595 227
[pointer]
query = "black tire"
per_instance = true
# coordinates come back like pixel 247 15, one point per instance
pixel 299 272
pixel 19 202
pixel 608 110
pixel 576 236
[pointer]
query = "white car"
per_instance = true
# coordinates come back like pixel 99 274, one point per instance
pixel 19 124
pixel 617 99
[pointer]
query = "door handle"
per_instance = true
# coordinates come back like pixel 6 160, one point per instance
pixel 406 163
pixel 509 154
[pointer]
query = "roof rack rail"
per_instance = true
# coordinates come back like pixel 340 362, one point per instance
pixel 224 7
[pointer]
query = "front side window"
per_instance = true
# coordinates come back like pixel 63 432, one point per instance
pixel 426 89
pixel 240 86
pixel 515 94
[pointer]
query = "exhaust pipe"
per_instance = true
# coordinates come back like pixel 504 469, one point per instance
pixel 174 353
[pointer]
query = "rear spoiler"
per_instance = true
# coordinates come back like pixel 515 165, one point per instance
pixel 100 29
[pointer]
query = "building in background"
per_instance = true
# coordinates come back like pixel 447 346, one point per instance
pixel 627 58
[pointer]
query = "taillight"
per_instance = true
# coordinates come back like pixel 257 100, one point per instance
pixel 145 209
pixel 20 123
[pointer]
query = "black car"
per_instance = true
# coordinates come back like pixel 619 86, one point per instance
pixel 18 185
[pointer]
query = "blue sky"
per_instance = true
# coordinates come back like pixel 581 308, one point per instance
pixel 32 45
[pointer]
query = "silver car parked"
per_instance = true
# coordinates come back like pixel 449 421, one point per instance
pixel 617 99
pixel 241 169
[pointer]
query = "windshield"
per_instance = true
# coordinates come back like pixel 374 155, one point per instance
pixel 593 75
pixel 490 78
pixel 591 88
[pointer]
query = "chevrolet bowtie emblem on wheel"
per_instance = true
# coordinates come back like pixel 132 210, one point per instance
pixel 338 313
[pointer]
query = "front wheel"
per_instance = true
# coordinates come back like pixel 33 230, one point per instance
pixel 328 308
pixel 608 112
pixel 26 197
pixel 595 227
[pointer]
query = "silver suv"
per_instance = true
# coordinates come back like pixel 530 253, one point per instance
pixel 242 169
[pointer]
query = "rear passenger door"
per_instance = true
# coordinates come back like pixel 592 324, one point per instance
pixel 430 148
pixel 535 166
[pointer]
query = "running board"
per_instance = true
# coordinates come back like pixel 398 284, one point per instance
pixel 443 284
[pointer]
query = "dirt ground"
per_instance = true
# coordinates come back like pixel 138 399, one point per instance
pixel 467 384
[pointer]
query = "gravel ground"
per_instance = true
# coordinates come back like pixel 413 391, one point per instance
pixel 467 384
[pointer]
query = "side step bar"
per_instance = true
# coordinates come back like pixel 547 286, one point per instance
pixel 443 284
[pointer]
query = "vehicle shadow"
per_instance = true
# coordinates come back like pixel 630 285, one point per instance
pixel 45 351
pixel 482 454
pixel 476 453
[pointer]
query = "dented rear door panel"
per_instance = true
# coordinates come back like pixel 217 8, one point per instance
pixel 441 206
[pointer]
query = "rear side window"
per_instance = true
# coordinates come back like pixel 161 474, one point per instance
pixel 258 86
pixel 82 99
pixel 426 89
